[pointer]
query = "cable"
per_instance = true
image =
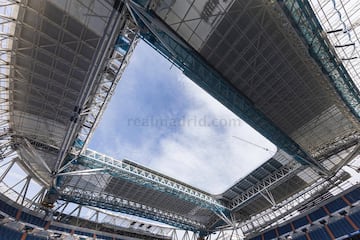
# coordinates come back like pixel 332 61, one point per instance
pixel 254 144
pixel 345 29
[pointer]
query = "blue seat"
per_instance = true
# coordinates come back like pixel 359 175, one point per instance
pixel 270 234
pixel 355 217
pixel 285 229
pixel 84 233
pixel 301 237
pixel 319 234
pixel 8 233
pixel 28 218
pixel 61 229
pixel 298 223
pixel 103 237
pixel 8 209
pixel 353 196
pixel 341 228
pixel 319 213
pixel 336 205
pixel 256 238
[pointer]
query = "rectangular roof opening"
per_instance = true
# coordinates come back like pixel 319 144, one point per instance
pixel 160 119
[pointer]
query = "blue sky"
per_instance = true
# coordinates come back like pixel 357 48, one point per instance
pixel 162 120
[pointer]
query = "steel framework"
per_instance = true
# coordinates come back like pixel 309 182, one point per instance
pixel 284 172
pixel 130 19
pixel 146 177
pixel 7 23
pixel 289 206
pixel 114 203
pixel 92 104
pixel 304 19
pixel 160 37
pixel 22 196
pixel 109 75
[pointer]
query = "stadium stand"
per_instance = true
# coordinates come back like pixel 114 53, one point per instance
pixel 337 218
pixel 279 65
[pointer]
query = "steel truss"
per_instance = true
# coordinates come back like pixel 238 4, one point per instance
pixel 91 104
pixel 7 147
pixel 20 197
pixel 304 20
pixel 126 222
pixel 285 171
pixel 290 206
pixel 106 76
pixel 337 145
pixel 18 192
pixel 98 163
pixel 7 23
pixel 109 76
pixel 147 178
pixel 115 203
pixel 161 38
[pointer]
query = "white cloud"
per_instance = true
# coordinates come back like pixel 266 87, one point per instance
pixel 209 157
pixel 199 150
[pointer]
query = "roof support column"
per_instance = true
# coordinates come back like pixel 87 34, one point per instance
pixel 23 236
pixel 351 222
pixel 23 191
pixel 328 230
pixel 12 162
pixel 346 201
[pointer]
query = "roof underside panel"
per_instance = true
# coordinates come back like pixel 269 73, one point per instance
pixel 341 25
pixel 254 46
pixel 119 195
pixel 157 199
pixel 280 192
pixel 52 55
pixel 113 186
pixel 55 44
pixel 101 181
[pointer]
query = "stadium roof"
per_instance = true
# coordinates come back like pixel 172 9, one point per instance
pixel 66 58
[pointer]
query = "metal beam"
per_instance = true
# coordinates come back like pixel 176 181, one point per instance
pixel 27 146
pixel 159 36
pixel 16 184
pixel 82 172
pixel 307 25
pixel 279 175
pixel 109 77
pixel 145 177
pixel 36 199
pixel 123 221
pixel 7 24
pixel 268 196
pixel 115 203
pixel 289 206
pixel 12 162
pixel 102 53
pixel 6 149
pixel 23 191
pixel 337 145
